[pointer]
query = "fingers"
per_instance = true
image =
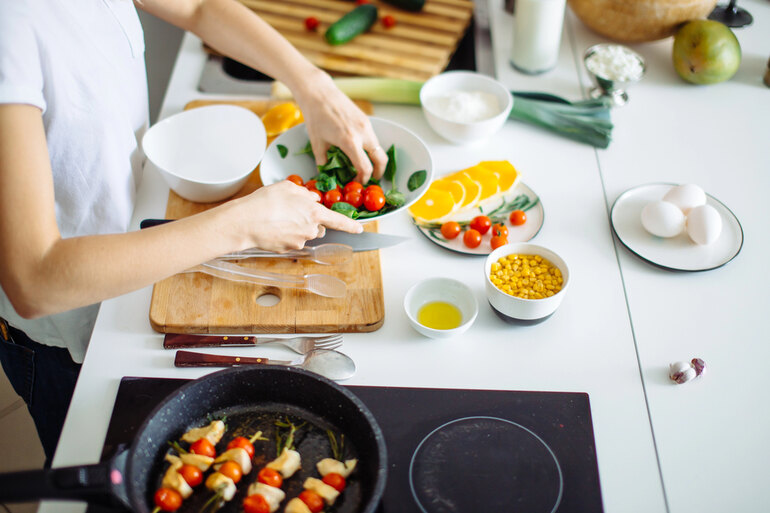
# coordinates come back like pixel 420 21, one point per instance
pixel 379 159
pixel 358 157
pixel 337 221
pixel 319 150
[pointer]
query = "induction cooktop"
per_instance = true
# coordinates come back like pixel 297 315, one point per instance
pixel 450 450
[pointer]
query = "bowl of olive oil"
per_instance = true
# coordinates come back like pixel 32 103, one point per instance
pixel 440 307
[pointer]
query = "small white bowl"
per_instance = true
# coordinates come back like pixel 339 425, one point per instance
pixel 516 309
pixel 207 153
pixel 441 289
pixel 465 81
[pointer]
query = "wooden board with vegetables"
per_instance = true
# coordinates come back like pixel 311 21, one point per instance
pixel 412 39
pixel 197 303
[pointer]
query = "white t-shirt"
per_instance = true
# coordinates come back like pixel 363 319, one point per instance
pixel 82 63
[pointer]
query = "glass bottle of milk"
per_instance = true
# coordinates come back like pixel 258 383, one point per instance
pixel 537 27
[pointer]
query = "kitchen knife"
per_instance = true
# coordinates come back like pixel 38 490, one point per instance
pixel 364 241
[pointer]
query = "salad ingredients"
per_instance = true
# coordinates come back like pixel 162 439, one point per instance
pixel 281 117
pixel 450 229
pixel 518 217
pixel 472 238
pixel 311 23
pixel 353 23
pixel 388 21
pixel 167 500
pixel 481 224
pixel 439 315
pixel 526 276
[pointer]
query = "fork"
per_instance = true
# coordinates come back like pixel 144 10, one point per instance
pixel 299 345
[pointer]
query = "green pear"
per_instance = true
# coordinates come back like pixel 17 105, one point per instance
pixel 706 52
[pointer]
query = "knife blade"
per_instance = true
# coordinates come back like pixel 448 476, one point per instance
pixel 364 241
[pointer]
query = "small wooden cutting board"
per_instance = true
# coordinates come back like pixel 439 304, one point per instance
pixel 198 303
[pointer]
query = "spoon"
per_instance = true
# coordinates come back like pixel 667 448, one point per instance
pixel 326 254
pixel 321 284
pixel 326 362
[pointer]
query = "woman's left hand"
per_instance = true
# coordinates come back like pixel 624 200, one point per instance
pixel 334 120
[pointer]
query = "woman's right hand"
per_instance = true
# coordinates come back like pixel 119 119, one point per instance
pixel 283 216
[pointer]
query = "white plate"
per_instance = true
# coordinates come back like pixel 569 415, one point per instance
pixel 676 253
pixel 523 233
pixel 411 155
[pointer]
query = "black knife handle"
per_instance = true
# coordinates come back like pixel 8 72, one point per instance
pixel 149 223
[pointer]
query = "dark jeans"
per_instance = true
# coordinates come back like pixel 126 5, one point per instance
pixel 45 377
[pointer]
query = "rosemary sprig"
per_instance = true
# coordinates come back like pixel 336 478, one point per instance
pixel 497 214
pixel 285 440
pixel 338 447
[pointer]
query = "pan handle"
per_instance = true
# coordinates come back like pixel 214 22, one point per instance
pixel 101 483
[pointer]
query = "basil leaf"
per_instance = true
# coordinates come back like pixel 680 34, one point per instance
pixel 345 209
pixel 390 167
pixel 307 150
pixel 395 198
pixel 282 150
pixel 416 180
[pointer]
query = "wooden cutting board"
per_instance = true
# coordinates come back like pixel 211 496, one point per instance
pixel 416 48
pixel 198 303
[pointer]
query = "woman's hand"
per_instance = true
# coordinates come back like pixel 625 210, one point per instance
pixel 334 120
pixel 283 216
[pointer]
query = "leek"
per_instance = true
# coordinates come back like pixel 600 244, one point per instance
pixel 586 121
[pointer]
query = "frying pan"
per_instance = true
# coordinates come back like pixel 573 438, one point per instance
pixel 251 398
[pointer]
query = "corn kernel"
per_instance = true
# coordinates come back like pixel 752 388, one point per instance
pixel 526 276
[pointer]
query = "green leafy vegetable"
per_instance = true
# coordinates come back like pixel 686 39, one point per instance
pixel 282 150
pixel 416 180
pixel 338 165
pixel 345 209
pixel 395 198
pixel 390 167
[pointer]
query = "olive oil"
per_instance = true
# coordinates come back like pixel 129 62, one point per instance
pixel 439 315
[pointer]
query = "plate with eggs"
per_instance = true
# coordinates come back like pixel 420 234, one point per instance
pixel 676 226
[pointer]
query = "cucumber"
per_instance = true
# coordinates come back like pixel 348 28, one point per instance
pixel 407 5
pixel 357 21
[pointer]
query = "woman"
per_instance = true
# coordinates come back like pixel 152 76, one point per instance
pixel 73 106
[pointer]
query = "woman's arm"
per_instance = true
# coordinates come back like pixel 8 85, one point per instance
pixel 42 273
pixel 236 31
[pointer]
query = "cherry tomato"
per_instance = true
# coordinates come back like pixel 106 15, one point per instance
pixel 270 477
pixel 311 184
pixel 450 229
pixel 312 500
pixel 256 503
pixel 388 21
pixel 167 499
pixel 296 179
pixel 472 238
pixel 362 2
pixel 243 443
pixel 373 187
pixel 204 448
pixel 331 197
pixel 232 470
pixel 499 230
pixel 353 186
pixel 354 198
pixel 334 480
pixel 518 217
pixel 311 23
pixel 374 201
pixel 191 474
pixel 497 241
pixel 481 224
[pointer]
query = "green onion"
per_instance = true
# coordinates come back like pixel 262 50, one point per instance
pixel 586 121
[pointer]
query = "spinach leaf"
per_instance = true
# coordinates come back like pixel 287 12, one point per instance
pixel 338 164
pixel 416 180
pixel 326 182
pixel 390 167
pixel 282 150
pixel 307 150
pixel 395 198
pixel 345 209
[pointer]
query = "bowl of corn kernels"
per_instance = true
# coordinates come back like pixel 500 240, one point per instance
pixel 525 283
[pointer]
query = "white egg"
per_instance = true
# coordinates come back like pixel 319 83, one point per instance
pixel 686 196
pixel 704 224
pixel 663 219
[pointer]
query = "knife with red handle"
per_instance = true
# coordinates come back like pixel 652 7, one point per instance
pixel 180 340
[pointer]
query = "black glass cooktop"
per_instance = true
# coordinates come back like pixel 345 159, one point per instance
pixel 451 450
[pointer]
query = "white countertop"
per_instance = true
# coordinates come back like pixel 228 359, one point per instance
pixel 698 447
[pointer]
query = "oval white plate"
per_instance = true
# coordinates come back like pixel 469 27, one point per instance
pixel 676 253
pixel 523 233
pixel 411 155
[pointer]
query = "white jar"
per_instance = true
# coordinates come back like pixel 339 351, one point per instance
pixel 537 27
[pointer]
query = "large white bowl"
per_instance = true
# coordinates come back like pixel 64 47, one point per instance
pixel 516 309
pixel 467 81
pixel 411 155
pixel 441 289
pixel 207 153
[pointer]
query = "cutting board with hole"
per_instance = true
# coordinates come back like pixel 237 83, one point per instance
pixel 416 48
pixel 198 303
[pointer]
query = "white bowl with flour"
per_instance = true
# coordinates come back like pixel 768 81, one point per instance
pixel 464 106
